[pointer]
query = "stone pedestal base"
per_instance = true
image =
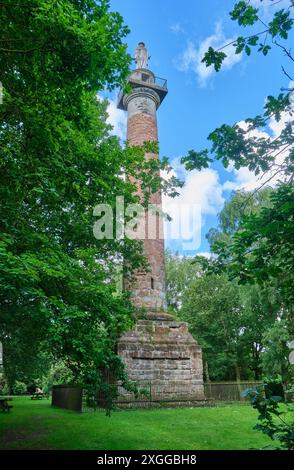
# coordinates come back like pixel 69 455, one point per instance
pixel 161 352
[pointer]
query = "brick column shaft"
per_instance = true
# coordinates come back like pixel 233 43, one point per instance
pixel 148 290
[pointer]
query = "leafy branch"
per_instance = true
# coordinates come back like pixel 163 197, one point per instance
pixel 272 408
pixel 246 15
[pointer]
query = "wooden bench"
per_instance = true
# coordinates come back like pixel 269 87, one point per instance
pixel 4 405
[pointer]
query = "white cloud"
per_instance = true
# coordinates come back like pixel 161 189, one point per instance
pixel 176 28
pixel 246 179
pixel 192 56
pixel 201 195
pixel 189 58
pixel 201 188
pixel 268 6
pixel 243 179
pixel 117 118
pixel 205 189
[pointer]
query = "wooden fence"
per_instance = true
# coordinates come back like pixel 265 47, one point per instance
pixel 227 391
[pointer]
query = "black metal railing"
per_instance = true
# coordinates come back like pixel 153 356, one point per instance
pixel 149 393
pixel 162 82
pixel 176 393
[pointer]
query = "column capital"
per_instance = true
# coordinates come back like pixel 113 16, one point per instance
pixel 142 92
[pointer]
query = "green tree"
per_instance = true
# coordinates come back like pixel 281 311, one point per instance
pixel 204 302
pixel 180 272
pixel 261 249
pixel 211 306
pixel 241 203
pixel 261 304
pixel 275 358
pixel 260 310
pixel 58 161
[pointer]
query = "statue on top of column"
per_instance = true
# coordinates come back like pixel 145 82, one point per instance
pixel 141 56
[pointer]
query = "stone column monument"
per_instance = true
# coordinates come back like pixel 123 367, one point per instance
pixel 159 350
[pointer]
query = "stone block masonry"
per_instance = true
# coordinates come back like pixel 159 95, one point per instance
pixel 164 353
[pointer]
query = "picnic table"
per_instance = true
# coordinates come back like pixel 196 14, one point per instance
pixel 38 396
pixel 4 405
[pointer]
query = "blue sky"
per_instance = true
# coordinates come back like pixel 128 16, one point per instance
pixel 199 100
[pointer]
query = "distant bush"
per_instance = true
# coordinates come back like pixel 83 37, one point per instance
pixel 19 388
pixel 59 374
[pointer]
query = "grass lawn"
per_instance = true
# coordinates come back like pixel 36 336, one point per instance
pixel 37 425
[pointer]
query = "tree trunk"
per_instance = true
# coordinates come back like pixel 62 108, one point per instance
pixel 206 371
pixel 238 380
